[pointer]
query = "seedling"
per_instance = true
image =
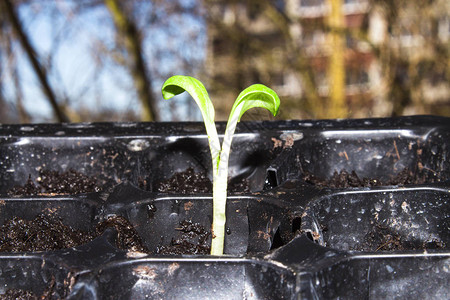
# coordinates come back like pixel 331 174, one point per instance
pixel 256 95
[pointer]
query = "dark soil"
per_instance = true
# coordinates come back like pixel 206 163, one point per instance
pixel 344 179
pixel 382 238
pixel 190 182
pixel 53 182
pixel 41 234
pixel 186 182
pixel 46 233
pixel 16 294
pixel 193 240
pixel 127 237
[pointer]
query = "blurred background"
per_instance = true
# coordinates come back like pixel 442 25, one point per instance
pixel 105 60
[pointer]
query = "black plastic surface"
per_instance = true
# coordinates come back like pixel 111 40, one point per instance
pixel 287 238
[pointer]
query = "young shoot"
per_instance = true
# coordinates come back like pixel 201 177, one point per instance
pixel 256 95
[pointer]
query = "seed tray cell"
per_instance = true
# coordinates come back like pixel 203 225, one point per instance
pixel 328 209
pixel 377 220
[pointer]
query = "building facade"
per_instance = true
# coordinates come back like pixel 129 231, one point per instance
pixel 286 45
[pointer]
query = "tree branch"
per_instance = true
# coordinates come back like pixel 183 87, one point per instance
pixel 31 53
pixel 298 58
pixel 127 29
pixel 23 115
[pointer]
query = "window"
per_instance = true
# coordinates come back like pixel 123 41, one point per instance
pixel 444 29
pixel 253 10
pixel 218 45
pixel 315 38
pixel 311 3
pixel 312 8
pixel 350 41
pixel 277 79
pixel 279 4
pixel 355 77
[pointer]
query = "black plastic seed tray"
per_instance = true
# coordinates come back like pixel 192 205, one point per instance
pixel 348 209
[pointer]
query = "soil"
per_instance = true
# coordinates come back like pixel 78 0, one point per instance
pixel 41 234
pixel 16 294
pixel 193 240
pixel 191 182
pixel 53 182
pixel 186 182
pixel 46 233
pixel 127 237
pixel 382 238
pixel 344 179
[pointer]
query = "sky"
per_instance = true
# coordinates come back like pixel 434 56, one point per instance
pixel 86 77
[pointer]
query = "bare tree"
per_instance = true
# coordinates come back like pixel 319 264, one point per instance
pixel 259 56
pixel 127 30
pixel 151 41
pixel 23 115
pixel 39 70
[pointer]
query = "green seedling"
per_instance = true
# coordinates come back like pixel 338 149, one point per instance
pixel 256 95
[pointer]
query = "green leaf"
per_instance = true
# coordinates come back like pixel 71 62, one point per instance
pixel 176 85
pixel 256 95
